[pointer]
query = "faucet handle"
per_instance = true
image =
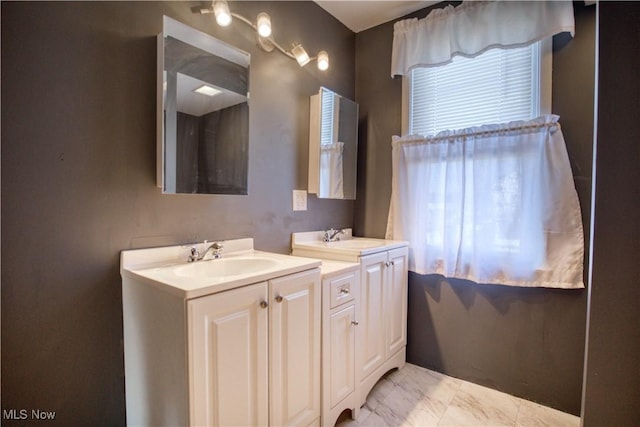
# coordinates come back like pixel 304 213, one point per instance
pixel 332 234
pixel 195 255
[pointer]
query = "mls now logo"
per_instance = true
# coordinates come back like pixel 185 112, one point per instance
pixel 23 414
pixel 15 414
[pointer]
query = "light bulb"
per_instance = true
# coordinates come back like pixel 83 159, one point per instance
pixel 301 55
pixel 264 25
pixel 221 10
pixel 323 60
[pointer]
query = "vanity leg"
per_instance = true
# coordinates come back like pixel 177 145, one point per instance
pixel 355 413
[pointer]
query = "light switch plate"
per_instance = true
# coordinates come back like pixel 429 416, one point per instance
pixel 299 200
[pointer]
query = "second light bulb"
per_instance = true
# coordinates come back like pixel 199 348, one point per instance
pixel 264 25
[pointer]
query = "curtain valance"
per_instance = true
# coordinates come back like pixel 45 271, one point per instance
pixel 474 27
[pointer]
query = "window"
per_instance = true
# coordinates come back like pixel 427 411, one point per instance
pixel 498 86
pixel 478 197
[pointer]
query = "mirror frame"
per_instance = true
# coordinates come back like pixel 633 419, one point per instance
pixel 202 41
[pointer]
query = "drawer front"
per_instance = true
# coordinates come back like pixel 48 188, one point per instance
pixel 343 289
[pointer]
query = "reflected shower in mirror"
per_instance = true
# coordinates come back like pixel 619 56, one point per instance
pixel 333 146
pixel 204 111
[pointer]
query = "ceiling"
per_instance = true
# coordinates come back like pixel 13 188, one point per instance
pixel 359 15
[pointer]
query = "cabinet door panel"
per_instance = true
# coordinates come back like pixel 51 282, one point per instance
pixel 371 334
pixel 228 358
pixel 295 349
pixel 396 301
pixel 341 353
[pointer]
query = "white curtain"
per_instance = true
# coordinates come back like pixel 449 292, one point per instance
pixel 492 204
pixel 331 171
pixel 474 27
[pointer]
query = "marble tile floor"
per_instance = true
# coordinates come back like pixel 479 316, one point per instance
pixel 414 396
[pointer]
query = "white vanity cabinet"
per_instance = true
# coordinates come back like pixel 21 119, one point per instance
pixel 255 345
pixel 294 349
pixel 228 357
pixel 381 334
pixel 243 351
pixel 340 319
pixel 382 337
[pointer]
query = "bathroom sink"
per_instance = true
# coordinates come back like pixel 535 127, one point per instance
pixel 348 248
pixel 226 267
pixel 240 265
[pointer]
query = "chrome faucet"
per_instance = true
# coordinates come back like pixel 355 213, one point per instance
pixel 215 248
pixel 332 235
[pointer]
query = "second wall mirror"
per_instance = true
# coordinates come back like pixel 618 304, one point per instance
pixel 333 146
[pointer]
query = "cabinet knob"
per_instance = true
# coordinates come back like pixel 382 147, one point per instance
pixel 279 298
pixel 355 322
pixel 344 291
pixel 264 304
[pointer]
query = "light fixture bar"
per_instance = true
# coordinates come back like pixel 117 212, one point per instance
pixel 263 30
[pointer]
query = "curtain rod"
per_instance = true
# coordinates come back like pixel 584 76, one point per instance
pixel 415 139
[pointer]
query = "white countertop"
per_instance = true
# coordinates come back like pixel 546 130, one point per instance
pixel 162 267
pixel 349 248
pixel 330 267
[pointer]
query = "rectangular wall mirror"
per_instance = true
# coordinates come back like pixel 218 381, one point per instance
pixel 203 113
pixel 333 146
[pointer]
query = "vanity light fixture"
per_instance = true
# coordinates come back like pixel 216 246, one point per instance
pixel 207 90
pixel 220 8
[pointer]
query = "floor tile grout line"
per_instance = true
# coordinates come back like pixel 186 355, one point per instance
pixel 453 396
pixel 515 422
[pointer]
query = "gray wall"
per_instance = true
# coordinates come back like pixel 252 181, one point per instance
pixel 527 342
pixel 612 380
pixel 78 179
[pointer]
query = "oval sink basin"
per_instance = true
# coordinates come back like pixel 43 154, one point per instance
pixel 356 244
pixel 225 267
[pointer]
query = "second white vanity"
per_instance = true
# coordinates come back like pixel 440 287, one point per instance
pixel 229 341
pixel 379 310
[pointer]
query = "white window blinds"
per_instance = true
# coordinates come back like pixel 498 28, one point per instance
pixel 326 121
pixel 499 86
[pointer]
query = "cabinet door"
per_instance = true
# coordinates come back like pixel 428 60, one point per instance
pixel 396 301
pixel 295 349
pixel 371 331
pixel 341 353
pixel 228 365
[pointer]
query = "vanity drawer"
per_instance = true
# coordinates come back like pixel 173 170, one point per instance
pixel 342 288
